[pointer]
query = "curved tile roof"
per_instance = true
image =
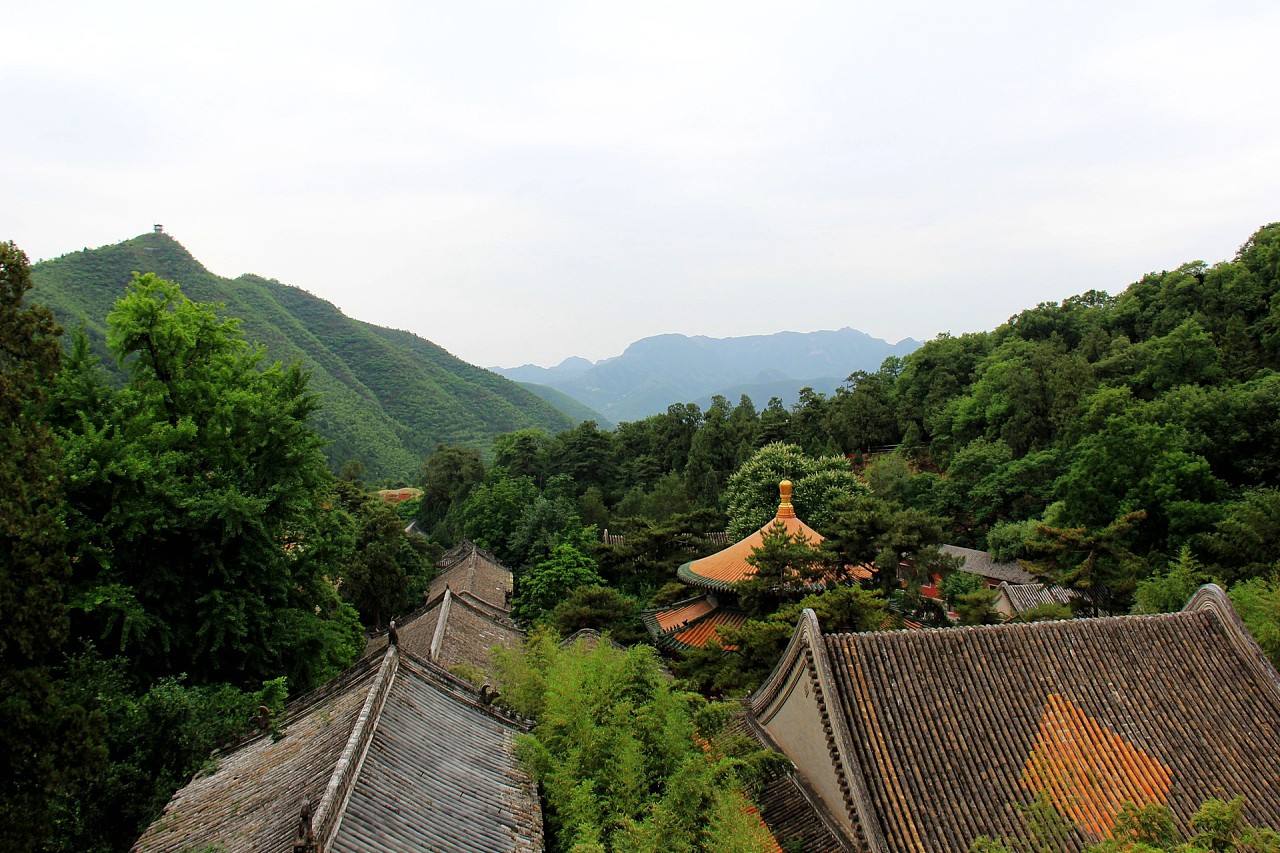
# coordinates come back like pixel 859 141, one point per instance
pixel 396 754
pixel 706 629
pixel 723 569
pixel 943 735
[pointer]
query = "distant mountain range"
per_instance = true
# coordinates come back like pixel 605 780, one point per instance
pixel 388 397
pixel 654 372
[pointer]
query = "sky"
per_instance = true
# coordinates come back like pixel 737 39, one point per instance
pixel 522 182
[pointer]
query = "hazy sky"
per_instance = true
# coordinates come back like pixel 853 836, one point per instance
pixel 527 181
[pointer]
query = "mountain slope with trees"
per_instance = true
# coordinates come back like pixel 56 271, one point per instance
pixel 388 396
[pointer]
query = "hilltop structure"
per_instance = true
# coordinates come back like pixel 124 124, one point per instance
pixel 925 740
pixel 696 621
pixel 396 754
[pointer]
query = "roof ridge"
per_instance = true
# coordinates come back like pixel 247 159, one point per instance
pixel 328 814
pixel 1010 626
pixel 480 606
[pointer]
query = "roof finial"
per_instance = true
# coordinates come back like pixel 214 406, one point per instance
pixel 785 509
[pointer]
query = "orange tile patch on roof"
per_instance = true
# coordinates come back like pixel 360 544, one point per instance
pixel 1088 771
pixel 708 628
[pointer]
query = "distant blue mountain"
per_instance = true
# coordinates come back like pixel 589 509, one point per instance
pixel 654 372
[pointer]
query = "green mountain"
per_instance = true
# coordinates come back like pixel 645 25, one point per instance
pixel 388 397
pixel 578 412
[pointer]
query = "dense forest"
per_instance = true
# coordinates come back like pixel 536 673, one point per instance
pixel 181 556
pixel 389 396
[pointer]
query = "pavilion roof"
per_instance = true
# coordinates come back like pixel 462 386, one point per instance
pixel 729 566
pixel 941 735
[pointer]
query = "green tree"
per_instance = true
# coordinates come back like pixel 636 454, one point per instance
pixel 1258 602
pixel 1096 563
pixel 751 496
pixel 195 498
pixel 785 566
pixel 388 570
pixel 541 587
pixel 602 608
pixel 448 476
pixel 1169 591
pixel 48 742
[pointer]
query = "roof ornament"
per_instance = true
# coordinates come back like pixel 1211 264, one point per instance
pixel 785 509
pixel 393 636
pixel 304 840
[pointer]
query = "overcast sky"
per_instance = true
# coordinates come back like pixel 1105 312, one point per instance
pixel 528 181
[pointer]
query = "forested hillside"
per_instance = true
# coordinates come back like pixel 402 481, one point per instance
pixel 388 397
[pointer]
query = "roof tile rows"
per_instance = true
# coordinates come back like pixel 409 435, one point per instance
pixel 469 568
pixel 943 735
pixel 982 563
pixel 691 623
pixel 394 755
pixel 1026 596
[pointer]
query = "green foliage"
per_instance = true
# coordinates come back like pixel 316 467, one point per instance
pixel 448 476
pixel 155 738
pixel 47 740
pixel 977 607
pixel 602 608
pixel 1170 591
pixel 549 582
pixel 615 753
pixel 390 397
pixel 785 566
pixel 1097 563
pixel 751 495
pixel 388 571
pixel 197 501
pixel 958 584
pixel 760 642
pixel 1258 602
pixel 868 531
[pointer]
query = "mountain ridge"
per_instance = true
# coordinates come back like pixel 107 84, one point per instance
pixel 388 396
pixel 658 370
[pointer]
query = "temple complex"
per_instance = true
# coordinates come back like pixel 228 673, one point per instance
pixel 695 621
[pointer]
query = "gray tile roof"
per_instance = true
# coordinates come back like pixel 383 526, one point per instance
pixel 468 568
pixel 1025 596
pixel 982 563
pixel 949 732
pixel 395 755
pixel 439 775
pixel 455 629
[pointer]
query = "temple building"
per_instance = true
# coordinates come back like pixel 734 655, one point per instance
pixel 925 740
pixel 466 614
pixel 395 754
pixel 695 621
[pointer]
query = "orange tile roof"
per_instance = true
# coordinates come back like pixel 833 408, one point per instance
pixel 708 628
pixel 677 616
pixel 729 566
